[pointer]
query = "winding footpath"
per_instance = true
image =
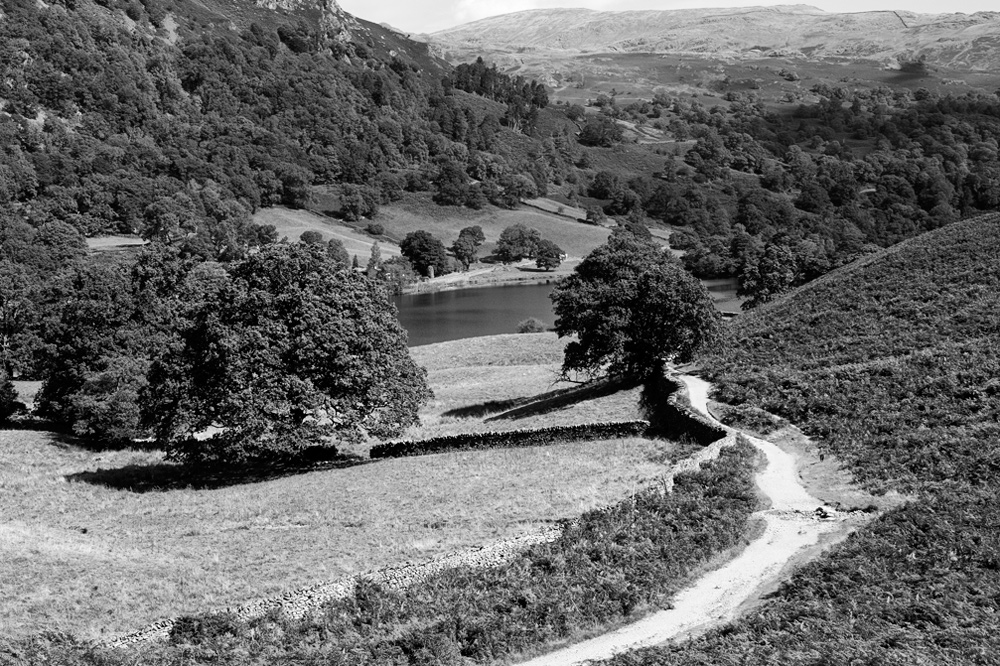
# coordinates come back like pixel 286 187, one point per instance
pixel 793 525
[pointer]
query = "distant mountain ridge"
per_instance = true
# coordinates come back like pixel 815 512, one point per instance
pixel 890 37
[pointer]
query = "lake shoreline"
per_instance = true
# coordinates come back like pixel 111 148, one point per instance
pixel 726 302
pixel 492 276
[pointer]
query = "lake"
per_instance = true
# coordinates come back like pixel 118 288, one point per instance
pixel 467 313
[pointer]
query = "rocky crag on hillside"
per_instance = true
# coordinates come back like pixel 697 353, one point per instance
pixel 335 26
pixel 890 38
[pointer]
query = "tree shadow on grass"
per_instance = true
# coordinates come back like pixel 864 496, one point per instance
pixel 562 398
pixel 164 477
pixel 486 408
pixel 543 403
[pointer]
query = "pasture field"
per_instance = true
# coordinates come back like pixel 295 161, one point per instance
pixel 417 211
pixel 477 380
pixel 292 223
pixel 106 243
pixel 98 543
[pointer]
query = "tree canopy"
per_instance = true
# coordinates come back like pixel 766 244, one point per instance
pixel 425 252
pixel 466 247
pixel 548 255
pixel 632 308
pixel 292 350
pixel 517 242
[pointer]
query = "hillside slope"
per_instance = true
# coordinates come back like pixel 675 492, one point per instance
pixel 896 353
pixel 891 364
pixel 954 40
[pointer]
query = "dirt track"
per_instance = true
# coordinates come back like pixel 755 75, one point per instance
pixel 793 529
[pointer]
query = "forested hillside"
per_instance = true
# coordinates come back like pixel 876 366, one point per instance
pixel 176 121
pixel 890 364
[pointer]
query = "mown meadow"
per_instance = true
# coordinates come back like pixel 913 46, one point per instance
pixel 891 365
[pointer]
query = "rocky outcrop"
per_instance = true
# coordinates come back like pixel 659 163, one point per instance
pixel 336 24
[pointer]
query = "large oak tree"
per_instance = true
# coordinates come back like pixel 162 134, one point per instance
pixel 294 350
pixel 632 308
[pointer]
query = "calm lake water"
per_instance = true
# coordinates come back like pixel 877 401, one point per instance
pixel 468 313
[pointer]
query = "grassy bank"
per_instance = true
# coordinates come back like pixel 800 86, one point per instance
pixel 478 380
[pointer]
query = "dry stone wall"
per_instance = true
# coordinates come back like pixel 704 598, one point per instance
pixel 504 439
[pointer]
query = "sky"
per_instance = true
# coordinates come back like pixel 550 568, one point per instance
pixel 418 16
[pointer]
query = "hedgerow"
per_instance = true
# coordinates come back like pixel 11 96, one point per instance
pixel 612 564
pixel 511 438
pixel 892 365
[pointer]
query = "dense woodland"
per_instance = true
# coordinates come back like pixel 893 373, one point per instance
pixel 810 190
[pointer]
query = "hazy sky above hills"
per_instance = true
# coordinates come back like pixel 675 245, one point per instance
pixel 429 15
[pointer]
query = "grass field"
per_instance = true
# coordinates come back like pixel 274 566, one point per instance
pixel 417 212
pixel 292 223
pixel 479 378
pixel 114 242
pixel 84 555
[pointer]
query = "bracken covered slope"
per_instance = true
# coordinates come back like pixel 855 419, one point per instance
pixel 896 354
pixel 892 364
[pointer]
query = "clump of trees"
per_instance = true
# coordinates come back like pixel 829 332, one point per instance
pixel 522 98
pixel 290 350
pixel 548 255
pixel 425 252
pixel 267 356
pixel 517 242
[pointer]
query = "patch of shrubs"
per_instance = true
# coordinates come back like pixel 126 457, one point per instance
pixel 511 438
pixel 532 325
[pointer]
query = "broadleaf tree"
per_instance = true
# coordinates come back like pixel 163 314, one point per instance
pixel 425 252
pixel 548 255
pixel 294 350
pixel 633 308
pixel 763 278
pixel 517 242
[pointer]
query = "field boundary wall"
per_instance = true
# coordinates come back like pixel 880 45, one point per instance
pixel 501 439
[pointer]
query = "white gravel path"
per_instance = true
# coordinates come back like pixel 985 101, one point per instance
pixel 792 525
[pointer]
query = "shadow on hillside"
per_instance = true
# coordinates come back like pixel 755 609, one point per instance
pixel 163 477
